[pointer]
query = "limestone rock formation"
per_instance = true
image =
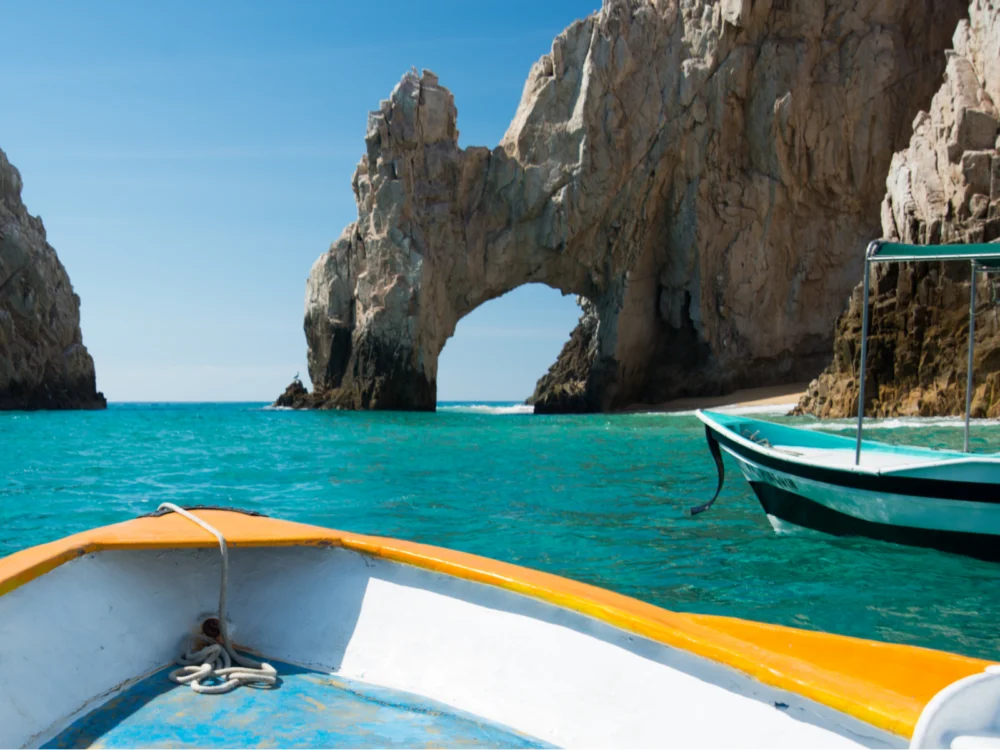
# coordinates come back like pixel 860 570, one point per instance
pixel 944 188
pixel 704 173
pixel 564 387
pixel 43 362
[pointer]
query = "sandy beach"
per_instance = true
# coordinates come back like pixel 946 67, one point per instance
pixel 776 396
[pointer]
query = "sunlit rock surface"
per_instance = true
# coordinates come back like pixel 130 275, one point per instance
pixel 43 362
pixel 943 188
pixel 705 174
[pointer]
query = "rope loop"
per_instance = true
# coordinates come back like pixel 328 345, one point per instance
pixel 212 664
pixel 207 665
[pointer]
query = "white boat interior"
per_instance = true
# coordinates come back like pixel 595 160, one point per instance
pixel 943 465
pixel 382 642
pixel 91 629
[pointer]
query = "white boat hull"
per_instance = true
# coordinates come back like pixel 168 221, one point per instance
pixel 880 507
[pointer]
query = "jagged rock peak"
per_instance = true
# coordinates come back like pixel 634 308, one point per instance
pixel 702 173
pixel 943 188
pixel 43 362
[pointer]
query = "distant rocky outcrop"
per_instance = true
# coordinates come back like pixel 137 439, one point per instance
pixel 295 396
pixel 43 362
pixel 705 174
pixel 943 188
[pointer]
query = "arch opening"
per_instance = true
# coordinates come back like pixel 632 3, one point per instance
pixel 501 349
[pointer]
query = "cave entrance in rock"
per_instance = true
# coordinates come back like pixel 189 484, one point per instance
pixel 500 350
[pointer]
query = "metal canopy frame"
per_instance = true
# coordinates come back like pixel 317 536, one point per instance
pixel 988 259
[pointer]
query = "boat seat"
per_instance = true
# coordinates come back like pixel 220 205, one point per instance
pixel 789 451
pixel 966 714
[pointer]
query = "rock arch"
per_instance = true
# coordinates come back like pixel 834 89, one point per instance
pixel 704 174
pixel 442 231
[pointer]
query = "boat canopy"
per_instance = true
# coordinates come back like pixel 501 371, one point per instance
pixel 982 257
pixel 984 254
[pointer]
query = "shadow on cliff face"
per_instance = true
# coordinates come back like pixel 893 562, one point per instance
pixel 706 176
pixel 943 188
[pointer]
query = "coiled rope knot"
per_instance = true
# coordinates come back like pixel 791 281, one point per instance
pixel 213 662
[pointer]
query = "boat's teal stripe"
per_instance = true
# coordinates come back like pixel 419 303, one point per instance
pixel 756 430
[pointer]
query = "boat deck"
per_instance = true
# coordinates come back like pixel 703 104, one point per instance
pixel 843 458
pixel 307 709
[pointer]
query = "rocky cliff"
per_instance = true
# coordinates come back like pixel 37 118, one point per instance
pixel 943 188
pixel 564 387
pixel 43 362
pixel 705 174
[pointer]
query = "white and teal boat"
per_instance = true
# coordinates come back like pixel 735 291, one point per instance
pixel 948 500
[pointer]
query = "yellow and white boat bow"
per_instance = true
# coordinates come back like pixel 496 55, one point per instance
pixel 87 621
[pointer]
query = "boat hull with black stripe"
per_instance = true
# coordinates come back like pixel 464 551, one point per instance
pixel 946 500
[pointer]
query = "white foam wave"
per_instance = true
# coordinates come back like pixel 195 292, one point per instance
pixel 488 409
pixel 780 409
pixel 774 409
pixel 685 413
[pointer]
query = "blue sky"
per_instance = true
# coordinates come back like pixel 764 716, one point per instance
pixel 192 159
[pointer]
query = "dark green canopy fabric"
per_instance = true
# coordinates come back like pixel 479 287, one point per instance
pixel 988 254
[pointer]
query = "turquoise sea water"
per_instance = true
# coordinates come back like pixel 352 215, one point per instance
pixel 596 498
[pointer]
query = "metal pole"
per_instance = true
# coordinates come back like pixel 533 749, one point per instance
pixel 972 344
pixel 864 356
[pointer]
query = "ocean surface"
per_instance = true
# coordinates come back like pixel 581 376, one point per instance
pixel 597 498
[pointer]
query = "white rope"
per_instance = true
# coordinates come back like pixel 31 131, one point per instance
pixel 208 660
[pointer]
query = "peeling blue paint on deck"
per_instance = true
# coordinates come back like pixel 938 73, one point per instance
pixel 307 709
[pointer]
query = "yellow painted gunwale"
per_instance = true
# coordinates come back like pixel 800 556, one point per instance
pixel 886 685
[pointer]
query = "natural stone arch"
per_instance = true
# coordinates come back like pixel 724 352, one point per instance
pixel 443 231
pixel 704 173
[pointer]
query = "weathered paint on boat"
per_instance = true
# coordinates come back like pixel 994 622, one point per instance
pixel 311 709
pixel 557 660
